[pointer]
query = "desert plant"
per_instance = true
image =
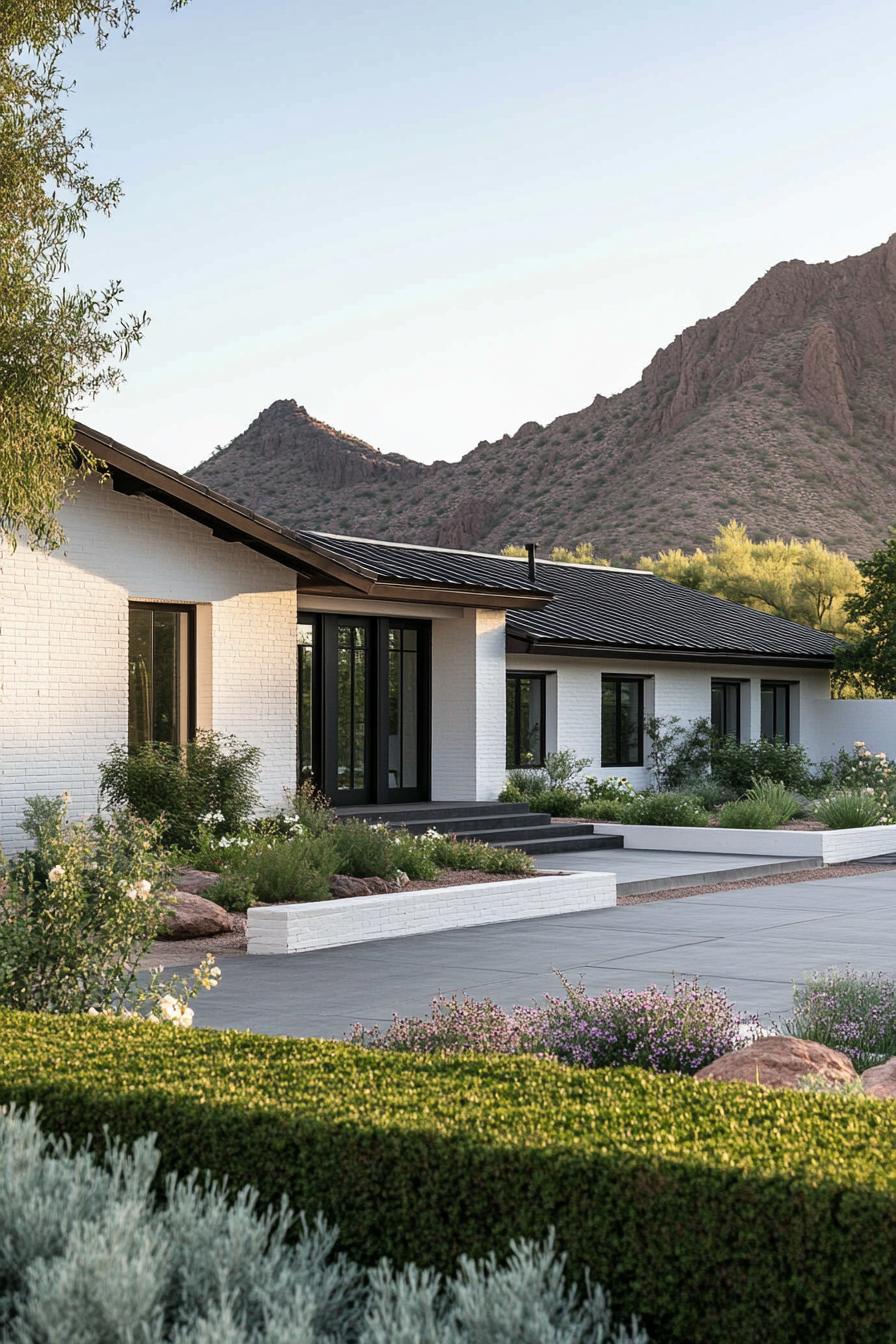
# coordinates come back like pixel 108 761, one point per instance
pixel 364 850
pixel 748 814
pixel 212 776
pixel 87 1255
pixel 850 807
pixel 781 803
pixel 78 910
pixel 665 809
pixel 676 1031
pixel 456 1025
pixel 524 782
pixel 852 1011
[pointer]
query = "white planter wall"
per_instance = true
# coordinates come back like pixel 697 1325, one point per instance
pixel 826 846
pixel 302 927
pixel 64 645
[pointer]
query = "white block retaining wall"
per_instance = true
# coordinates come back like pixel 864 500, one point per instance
pixel 826 846
pixel 304 926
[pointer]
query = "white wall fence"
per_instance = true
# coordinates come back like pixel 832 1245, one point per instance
pixel 839 723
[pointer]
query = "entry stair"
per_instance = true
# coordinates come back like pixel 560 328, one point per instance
pixel 505 825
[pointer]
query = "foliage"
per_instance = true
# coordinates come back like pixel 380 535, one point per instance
pixel 799 580
pixel 291 870
pixel 668 1032
pixel 852 1011
pixel 208 782
pixel 308 807
pixel 59 346
pixel 665 809
pixel 88 1256
pixel 772 794
pixel 562 767
pixel 612 786
pixel 459 1025
pixel 736 765
pixel 235 891
pixel 448 852
pixel 871 653
pixel 521 783
pixel 748 814
pixel 581 554
pixel 651 1181
pixel 363 850
pixel 78 910
pixel 850 807
pixel 864 771
pixel 679 752
pixel 603 809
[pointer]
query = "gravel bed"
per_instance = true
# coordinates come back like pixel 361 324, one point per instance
pixel 775 880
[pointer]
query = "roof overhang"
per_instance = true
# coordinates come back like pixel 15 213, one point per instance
pixel 517 643
pixel 319 570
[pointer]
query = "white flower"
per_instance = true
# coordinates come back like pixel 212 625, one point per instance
pixel 185 1018
pixel 858 745
pixel 56 874
pixel 169 1007
pixel 131 893
pixel 144 887
pixel 881 756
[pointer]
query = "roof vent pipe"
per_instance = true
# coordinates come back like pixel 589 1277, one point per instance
pixel 531 548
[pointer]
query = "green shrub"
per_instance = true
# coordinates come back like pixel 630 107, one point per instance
pixel 850 807
pixel 781 803
pixel 556 802
pixel 718 1212
pixel 364 850
pixel 524 782
pixel 678 752
pixel 87 1257
pixel 212 776
pixel 235 891
pixel 476 854
pixel 736 764
pixel 748 814
pixel 562 767
pixel 665 809
pixel 604 809
pixel 616 787
pixel 293 870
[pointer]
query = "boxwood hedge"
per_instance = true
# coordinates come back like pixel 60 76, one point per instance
pixel 716 1212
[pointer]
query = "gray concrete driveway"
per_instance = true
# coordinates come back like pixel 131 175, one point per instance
pixel 754 943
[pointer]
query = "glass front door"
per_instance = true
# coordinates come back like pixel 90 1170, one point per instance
pixel 365 735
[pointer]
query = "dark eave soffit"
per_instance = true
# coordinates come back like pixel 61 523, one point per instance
pixel 518 644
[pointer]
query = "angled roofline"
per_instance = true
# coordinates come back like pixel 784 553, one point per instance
pixel 134 473
pixel 520 642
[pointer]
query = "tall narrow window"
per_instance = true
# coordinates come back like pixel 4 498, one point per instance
pixel 726 709
pixel 525 720
pixel 404 707
pixel 305 701
pixel 622 721
pixel 775 710
pixel 160 674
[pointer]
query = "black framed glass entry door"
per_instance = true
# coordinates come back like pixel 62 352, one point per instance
pixel 371 720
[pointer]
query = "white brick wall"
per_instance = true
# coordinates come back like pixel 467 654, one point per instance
pixel 302 927
pixel 671 689
pixel 468 706
pixel 64 634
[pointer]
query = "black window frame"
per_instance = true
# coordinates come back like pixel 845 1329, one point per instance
pixel 514 742
pixel 189 610
pixel 787 688
pixel 726 683
pixel 617 679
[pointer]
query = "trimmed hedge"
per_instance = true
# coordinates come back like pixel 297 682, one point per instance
pixel 716 1212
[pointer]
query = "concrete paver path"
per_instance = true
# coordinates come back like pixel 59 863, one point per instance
pixel 753 942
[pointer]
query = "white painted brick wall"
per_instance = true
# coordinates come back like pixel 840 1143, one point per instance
pixel 303 927
pixel 64 635
pixel 671 689
pixel 836 724
pixel 468 706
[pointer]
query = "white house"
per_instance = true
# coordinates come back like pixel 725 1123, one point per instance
pixel 391 673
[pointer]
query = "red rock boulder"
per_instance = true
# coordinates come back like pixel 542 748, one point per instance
pixel 780 1061
pixel 193 916
pixel 881 1080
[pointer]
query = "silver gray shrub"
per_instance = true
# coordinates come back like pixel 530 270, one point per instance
pixel 89 1255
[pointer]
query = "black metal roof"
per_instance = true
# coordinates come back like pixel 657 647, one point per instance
pixel 394 562
pixel 596 607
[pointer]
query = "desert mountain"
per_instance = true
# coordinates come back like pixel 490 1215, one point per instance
pixel 780 412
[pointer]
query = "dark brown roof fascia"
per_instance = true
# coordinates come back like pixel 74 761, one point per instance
pixel 518 644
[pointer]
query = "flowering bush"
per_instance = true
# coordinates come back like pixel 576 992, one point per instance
pixel 867 772
pixel 846 808
pixel 612 787
pixel 457 1025
pixel 669 1032
pixel 676 1032
pixel 852 1011
pixel 79 909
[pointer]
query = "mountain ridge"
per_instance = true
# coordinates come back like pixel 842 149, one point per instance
pixel 779 411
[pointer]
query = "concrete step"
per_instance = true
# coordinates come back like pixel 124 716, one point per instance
pixel 564 844
pixel 515 836
pixel 487 822
pixel 398 814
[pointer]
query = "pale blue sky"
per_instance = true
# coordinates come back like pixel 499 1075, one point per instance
pixel 432 222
